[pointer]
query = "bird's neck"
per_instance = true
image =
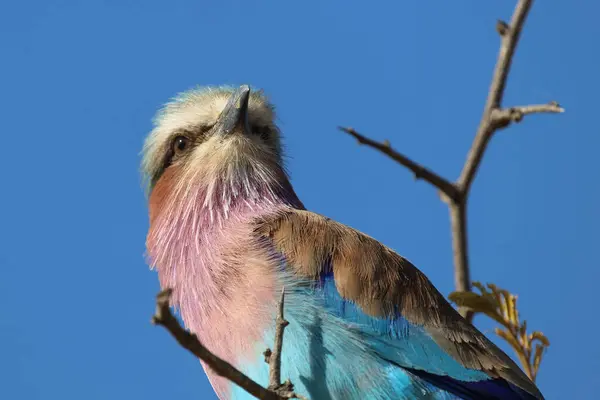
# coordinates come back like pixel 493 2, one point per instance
pixel 201 242
pixel 191 223
pixel 214 198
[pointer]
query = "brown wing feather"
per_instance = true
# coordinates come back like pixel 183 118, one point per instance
pixel 378 279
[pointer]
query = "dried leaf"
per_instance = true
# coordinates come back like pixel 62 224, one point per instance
pixel 474 301
pixel 537 357
pixel 537 335
pixel 514 314
pixel 523 331
pixel 496 295
pixel 504 306
pixel 523 336
pixel 479 286
pixel 510 339
pixel 501 305
pixel 485 293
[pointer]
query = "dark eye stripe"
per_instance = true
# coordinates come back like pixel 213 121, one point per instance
pixel 170 151
pixel 263 131
pixel 196 136
pixel 202 129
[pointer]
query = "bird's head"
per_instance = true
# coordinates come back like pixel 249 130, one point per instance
pixel 214 145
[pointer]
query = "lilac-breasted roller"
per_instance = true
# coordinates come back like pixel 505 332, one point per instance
pixel 227 233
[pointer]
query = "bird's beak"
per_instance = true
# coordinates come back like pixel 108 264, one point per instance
pixel 234 117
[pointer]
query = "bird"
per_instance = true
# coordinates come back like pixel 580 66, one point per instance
pixel 227 233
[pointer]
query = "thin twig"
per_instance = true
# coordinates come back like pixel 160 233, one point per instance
pixel 501 118
pixel 418 170
pixel 273 358
pixel 494 117
pixel 509 35
pixel 189 341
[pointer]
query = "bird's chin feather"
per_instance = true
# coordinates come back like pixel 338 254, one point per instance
pixel 218 177
pixel 197 197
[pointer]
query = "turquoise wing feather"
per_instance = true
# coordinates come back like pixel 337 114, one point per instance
pixel 412 339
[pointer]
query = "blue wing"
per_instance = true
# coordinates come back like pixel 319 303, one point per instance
pixel 363 292
pixel 411 348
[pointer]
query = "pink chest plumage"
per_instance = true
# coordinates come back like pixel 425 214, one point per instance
pixel 224 280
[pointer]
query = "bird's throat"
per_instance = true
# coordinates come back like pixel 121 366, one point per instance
pixel 192 220
pixel 201 242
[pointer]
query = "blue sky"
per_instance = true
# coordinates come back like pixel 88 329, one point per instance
pixel 80 81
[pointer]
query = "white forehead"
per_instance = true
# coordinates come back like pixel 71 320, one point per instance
pixel 201 106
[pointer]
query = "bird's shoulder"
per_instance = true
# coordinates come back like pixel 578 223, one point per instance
pixel 383 285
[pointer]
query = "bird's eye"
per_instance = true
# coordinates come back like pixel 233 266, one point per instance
pixel 180 144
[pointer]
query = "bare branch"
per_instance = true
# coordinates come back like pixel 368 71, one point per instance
pixel 494 118
pixel 190 342
pixel 509 35
pixel 273 358
pixel 418 170
pixel 458 227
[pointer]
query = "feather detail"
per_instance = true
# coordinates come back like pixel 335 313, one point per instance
pixel 384 285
